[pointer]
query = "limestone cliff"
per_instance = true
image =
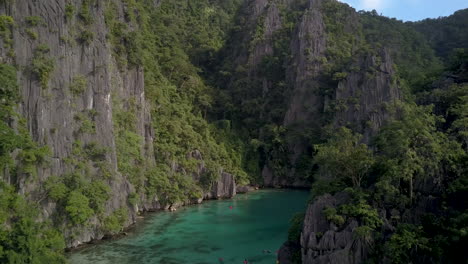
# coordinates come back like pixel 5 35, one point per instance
pixel 81 98
pixel 324 242
pixel 52 108
pixel 306 106
pixel 292 65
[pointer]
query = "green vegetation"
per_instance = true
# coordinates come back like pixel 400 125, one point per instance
pixel 86 122
pixel 344 159
pixel 171 187
pixel 30 155
pixel 114 223
pixel 332 215
pixel 405 242
pixel 125 42
pixel 446 33
pixel 84 13
pixel 82 154
pixel 22 238
pixel 417 65
pixel 295 228
pixel 42 66
pixel 78 85
pixel 82 194
pixel 6 35
pixel 77 197
pixel 179 95
pixel 9 96
pixel 128 142
pixel 31 23
pixel 31 34
pixel 86 37
pixel 78 208
pixel 341 40
pixel 34 21
pixel 69 11
pixel 424 142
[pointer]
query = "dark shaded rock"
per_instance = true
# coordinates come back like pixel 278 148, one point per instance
pixel 367 94
pixel 225 187
pixel 308 46
pixel 322 242
pixel 272 180
pixel 287 252
pixel 245 189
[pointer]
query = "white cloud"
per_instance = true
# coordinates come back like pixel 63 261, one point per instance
pixel 372 4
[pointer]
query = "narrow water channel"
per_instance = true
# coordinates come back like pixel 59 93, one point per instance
pixel 202 234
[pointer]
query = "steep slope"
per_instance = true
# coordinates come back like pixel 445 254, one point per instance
pixel 301 66
pixel 367 200
pixel 67 76
pixel 115 128
pixel 408 193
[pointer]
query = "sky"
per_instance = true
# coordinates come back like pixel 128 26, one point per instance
pixel 410 10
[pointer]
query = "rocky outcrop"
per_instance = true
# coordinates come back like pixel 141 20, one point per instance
pixel 360 100
pixel 363 98
pixel 322 242
pixel 55 112
pixel 245 189
pixel 286 253
pixel 264 45
pixel 225 187
pixel 311 97
pixel 307 48
pixel 74 88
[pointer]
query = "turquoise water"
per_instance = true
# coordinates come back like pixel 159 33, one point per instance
pixel 202 234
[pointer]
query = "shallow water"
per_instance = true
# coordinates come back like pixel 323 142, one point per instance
pixel 201 234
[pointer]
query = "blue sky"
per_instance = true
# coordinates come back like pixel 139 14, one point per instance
pixel 410 10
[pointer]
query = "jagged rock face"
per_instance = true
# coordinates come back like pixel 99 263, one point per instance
pixel 307 48
pixel 363 95
pixel 51 111
pixel 225 187
pixel 252 11
pixel 359 100
pixel 322 242
pixel 271 24
pixel 366 93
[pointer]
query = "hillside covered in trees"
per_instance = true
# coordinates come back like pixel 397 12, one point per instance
pixel 110 108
